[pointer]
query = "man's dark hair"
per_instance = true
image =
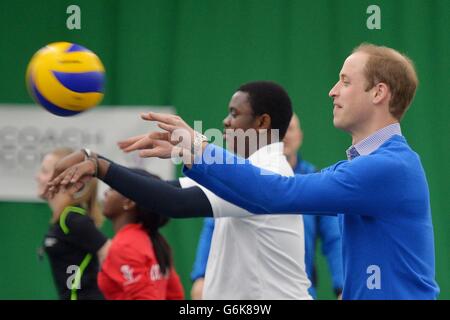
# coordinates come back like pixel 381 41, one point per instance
pixel 269 97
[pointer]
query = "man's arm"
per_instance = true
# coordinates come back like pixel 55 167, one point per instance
pixel 201 259
pixel 331 239
pixel 158 196
pixel 350 187
pixel 204 244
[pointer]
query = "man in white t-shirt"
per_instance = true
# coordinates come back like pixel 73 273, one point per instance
pixel 251 256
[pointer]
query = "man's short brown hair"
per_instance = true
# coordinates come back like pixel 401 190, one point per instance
pixel 394 69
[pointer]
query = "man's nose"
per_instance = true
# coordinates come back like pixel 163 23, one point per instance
pixel 226 121
pixel 333 91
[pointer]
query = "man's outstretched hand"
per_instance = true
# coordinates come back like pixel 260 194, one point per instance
pixel 154 144
pixel 174 141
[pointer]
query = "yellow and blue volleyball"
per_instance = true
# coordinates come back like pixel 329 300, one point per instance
pixel 65 78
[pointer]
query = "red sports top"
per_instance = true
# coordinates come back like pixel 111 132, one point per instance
pixel 131 271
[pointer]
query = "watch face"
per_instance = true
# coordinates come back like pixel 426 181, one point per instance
pixel 199 138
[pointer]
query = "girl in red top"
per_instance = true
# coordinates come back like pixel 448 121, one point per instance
pixel 139 263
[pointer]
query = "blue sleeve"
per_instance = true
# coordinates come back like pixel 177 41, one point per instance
pixel 350 187
pixel 204 244
pixel 330 235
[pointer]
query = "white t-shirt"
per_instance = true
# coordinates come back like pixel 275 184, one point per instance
pixel 255 256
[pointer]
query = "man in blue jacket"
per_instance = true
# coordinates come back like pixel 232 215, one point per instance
pixel 380 192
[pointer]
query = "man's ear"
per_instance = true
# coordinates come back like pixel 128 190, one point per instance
pixel 264 121
pixel 129 204
pixel 381 93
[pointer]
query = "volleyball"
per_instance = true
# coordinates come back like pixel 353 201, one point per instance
pixel 65 78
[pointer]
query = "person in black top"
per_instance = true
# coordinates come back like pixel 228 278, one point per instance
pixel 74 245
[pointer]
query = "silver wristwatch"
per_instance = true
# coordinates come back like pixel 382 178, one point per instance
pixel 197 143
pixel 87 153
